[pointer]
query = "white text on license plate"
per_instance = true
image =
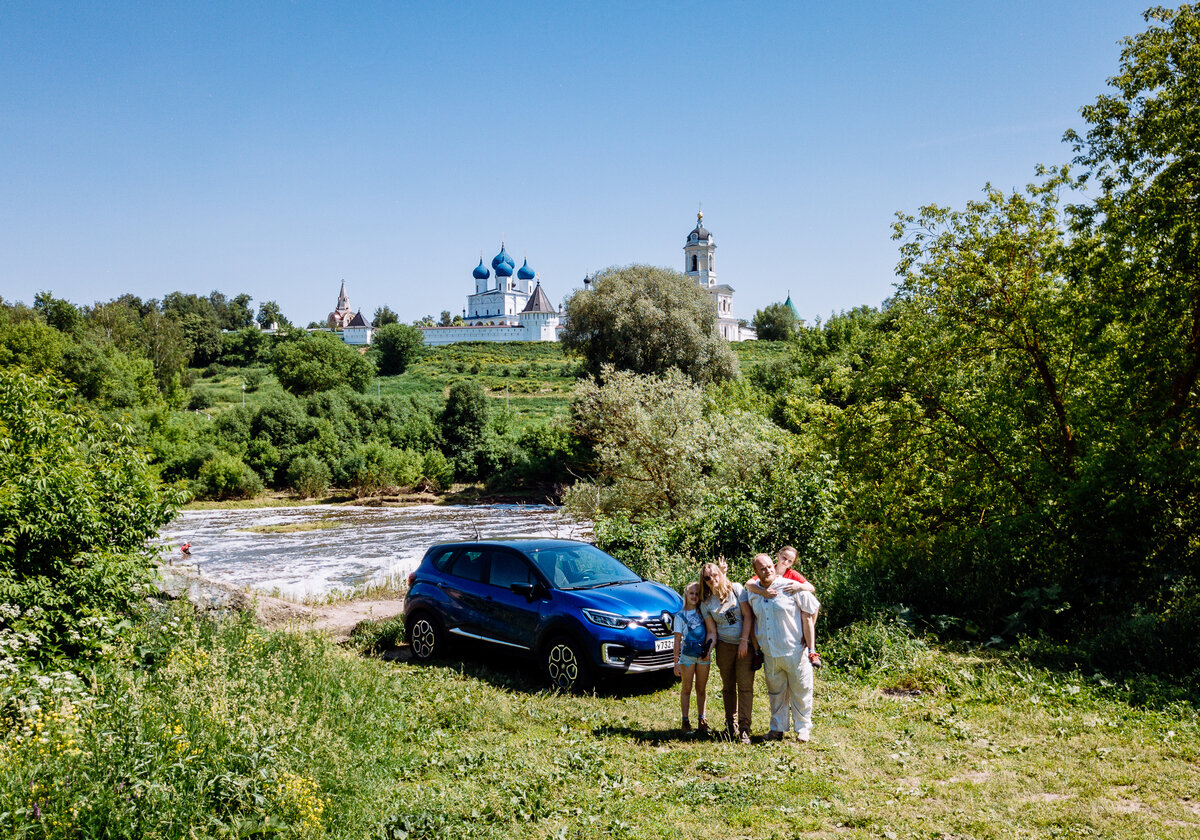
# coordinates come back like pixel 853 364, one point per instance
pixel 664 644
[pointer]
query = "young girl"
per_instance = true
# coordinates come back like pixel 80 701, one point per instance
pixel 691 656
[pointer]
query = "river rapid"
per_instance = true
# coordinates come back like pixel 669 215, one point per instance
pixel 355 546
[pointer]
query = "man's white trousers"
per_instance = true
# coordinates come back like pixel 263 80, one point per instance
pixel 790 687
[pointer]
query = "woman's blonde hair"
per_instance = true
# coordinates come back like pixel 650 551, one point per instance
pixel 713 581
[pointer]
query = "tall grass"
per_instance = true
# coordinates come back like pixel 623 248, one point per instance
pixel 198 728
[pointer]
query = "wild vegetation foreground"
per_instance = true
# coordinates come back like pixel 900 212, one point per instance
pixel 213 729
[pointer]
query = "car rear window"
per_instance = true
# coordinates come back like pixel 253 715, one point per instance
pixel 442 558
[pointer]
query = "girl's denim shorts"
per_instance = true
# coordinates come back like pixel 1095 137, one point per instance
pixel 689 661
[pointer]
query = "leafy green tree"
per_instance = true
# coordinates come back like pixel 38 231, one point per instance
pixel 776 322
pixel 108 377
pixel 657 447
pixel 78 505
pixel 384 316
pixel 269 313
pixel 165 345
pixel 120 322
pixel 395 347
pixel 647 320
pixel 446 319
pixel 61 314
pixel 25 340
pixel 319 362
pixel 232 314
pixel 464 423
pixel 248 346
pixel 203 336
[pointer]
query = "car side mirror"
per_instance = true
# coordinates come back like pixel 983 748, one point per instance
pixel 529 590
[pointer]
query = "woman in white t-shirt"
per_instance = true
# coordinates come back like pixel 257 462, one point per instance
pixel 723 605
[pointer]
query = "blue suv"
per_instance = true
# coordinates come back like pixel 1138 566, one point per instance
pixel 577 610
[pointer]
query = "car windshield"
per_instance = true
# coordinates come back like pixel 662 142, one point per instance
pixel 580 567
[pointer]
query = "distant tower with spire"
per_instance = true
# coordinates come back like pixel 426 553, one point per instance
pixel 342 314
pixel 699 264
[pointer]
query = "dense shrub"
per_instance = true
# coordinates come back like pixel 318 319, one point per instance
pixel 199 400
pixel 371 467
pixel 77 507
pixel 308 476
pixel 437 470
pixel 225 476
pixel 307 363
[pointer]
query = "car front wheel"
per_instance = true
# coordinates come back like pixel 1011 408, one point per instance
pixel 566 667
pixel 425 637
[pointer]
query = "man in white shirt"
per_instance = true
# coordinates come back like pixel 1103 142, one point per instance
pixel 784 626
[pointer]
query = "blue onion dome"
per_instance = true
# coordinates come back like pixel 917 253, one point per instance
pixel 525 272
pixel 502 259
pixel 481 272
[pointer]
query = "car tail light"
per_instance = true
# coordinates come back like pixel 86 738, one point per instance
pixel 412 578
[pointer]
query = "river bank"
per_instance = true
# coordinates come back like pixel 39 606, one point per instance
pixel 337 619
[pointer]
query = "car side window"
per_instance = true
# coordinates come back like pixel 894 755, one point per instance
pixel 509 568
pixel 470 565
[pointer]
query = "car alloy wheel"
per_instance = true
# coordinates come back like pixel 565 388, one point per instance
pixel 565 666
pixel 424 638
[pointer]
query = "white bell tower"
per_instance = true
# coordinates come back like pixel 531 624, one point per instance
pixel 698 255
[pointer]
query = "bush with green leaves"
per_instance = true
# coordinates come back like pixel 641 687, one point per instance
pixel 307 363
pixel 437 471
pixel 226 476
pixel 199 400
pixel 373 466
pixel 79 503
pixel 395 347
pixel 308 476
pixel 465 423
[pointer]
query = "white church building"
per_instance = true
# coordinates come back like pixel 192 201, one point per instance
pixel 699 264
pixel 507 305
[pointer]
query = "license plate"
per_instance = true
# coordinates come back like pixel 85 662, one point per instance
pixel 663 644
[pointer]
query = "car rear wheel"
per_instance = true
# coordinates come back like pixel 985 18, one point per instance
pixel 566 666
pixel 425 636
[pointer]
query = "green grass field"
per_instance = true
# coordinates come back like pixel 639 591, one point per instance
pixel 227 730
pixel 533 380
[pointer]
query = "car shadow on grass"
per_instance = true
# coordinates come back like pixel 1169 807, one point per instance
pixel 515 673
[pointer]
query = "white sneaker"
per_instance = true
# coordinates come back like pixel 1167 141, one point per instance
pixel 803 735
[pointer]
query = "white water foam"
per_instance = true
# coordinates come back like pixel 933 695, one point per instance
pixel 366 546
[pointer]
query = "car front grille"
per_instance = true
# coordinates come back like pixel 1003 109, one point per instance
pixel 656 626
pixel 639 661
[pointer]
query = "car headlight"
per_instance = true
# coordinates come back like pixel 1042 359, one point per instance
pixel 607 619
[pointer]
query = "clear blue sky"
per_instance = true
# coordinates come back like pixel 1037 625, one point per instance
pixel 277 148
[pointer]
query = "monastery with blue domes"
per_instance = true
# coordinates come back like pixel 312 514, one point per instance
pixel 508 305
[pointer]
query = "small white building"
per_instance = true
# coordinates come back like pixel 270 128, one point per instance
pixel 358 330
